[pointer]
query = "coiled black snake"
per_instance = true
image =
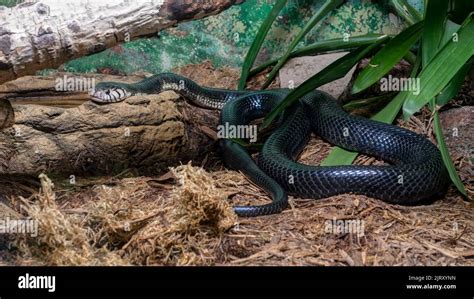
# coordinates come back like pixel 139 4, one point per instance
pixel 416 172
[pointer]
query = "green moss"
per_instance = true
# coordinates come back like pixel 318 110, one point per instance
pixel 10 3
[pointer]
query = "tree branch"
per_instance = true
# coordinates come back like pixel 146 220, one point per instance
pixel 48 33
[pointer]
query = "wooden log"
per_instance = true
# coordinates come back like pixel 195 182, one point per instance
pixel 6 114
pixel 148 133
pixel 46 33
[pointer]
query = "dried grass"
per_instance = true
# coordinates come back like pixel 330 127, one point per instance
pixel 191 227
pixel 120 227
pixel 60 240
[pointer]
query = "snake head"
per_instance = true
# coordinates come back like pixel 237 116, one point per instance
pixel 110 92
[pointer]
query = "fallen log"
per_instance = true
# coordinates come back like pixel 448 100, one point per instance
pixel 148 133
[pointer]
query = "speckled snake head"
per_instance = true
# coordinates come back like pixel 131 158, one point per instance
pixel 109 92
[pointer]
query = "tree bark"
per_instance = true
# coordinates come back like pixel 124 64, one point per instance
pixel 47 33
pixel 149 133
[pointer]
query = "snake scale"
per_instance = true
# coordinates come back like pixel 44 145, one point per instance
pixel 415 173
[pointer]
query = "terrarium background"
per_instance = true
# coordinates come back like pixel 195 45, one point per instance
pixel 225 38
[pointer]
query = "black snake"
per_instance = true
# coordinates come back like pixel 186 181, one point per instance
pixel 416 173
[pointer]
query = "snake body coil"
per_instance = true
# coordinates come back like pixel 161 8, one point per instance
pixel 416 172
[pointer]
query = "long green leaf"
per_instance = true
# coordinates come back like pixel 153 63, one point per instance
pixel 442 68
pixel 406 11
pixel 321 13
pixel 435 29
pixel 334 71
pixel 435 18
pixel 454 85
pixel 360 103
pixel 388 57
pixel 340 156
pixel 337 44
pixel 448 162
pixel 258 41
pixel 410 57
pixel 449 29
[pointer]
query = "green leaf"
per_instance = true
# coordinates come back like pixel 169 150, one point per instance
pixel 442 68
pixel 434 36
pixel 337 44
pixel 340 156
pixel 258 41
pixel 433 31
pixel 449 29
pixel 360 103
pixel 334 71
pixel 387 57
pixel 410 57
pixel 406 11
pixel 435 18
pixel 454 85
pixel 321 13
pixel 448 162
